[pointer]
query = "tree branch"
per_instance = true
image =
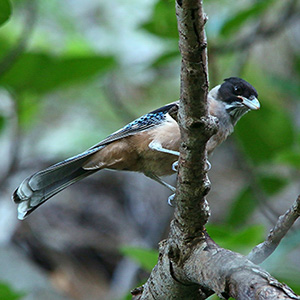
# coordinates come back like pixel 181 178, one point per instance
pixel 283 225
pixel 196 127
pixel 190 264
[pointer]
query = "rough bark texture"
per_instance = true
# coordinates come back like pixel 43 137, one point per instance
pixel 190 265
pixel 192 210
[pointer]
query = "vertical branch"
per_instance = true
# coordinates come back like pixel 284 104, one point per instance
pixel 196 127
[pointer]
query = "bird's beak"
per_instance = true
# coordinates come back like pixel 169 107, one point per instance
pixel 251 102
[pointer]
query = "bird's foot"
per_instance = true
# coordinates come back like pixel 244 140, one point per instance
pixel 207 166
pixel 175 166
pixel 171 200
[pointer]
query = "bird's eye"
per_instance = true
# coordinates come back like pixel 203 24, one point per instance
pixel 237 90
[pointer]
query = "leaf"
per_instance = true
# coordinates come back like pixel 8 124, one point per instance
pixel 146 258
pixel 289 157
pixel 2 122
pixel 9 294
pixel 272 184
pixel 243 206
pixel 245 240
pixel 41 73
pixel 234 23
pixel 297 66
pixel 237 240
pixel 5 11
pixel 262 134
pixel 163 23
pixel 219 232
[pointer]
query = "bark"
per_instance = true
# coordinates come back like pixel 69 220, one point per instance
pixel 260 252
pixel 190 264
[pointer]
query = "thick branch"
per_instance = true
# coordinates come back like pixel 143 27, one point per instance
pixel 231 274
pixel 209 269
pixel 283 225
pixel 192 210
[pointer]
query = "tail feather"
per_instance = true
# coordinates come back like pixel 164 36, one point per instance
pixel 43 185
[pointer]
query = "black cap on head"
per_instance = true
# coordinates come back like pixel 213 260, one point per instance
pixel 235 86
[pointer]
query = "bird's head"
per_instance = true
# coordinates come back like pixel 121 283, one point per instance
pixel 239 97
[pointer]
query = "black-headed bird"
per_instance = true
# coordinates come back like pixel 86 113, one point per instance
pixel 149 145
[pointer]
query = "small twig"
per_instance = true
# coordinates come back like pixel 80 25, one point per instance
pixel 284 223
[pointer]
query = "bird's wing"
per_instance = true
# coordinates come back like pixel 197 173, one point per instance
pixel 152 119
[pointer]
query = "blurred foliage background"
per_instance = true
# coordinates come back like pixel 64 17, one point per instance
pixel 72 72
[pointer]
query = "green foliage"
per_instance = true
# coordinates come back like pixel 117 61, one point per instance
pixel 146 258
pixel 2 122
pixel 163 22
pixel 234 23
pixel 242 208
pixel 7 293
pixel 237 240
pixel 272 184
pixel 287 86
pixel 265 133
pixel 5 11
pixel 40 73
pixel 289 157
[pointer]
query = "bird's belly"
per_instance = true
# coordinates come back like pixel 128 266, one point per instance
pixel 154 161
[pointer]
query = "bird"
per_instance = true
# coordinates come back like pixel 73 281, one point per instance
pixel 149 145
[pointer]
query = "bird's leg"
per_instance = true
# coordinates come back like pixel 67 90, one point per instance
pixel 207 166
pixel 159 180
pixel 175 166
pixel 158 147
pixel 171 200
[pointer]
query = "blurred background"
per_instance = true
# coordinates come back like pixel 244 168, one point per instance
pixel 72 72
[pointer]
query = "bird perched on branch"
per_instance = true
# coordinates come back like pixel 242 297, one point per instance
pixel 149 145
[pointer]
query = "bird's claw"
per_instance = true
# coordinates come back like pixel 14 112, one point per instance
pixel 207 166
pixel 175 166
pixel 171 200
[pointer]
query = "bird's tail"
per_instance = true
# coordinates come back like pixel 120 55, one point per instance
pixel 41 186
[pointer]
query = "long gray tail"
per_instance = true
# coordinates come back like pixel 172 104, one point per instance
pixel 41 186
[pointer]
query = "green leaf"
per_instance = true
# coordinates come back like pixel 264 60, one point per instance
pixel 272 184
pixel 9 294
pixel 234 23
pixel 262 134
pixel 246 239
pixel 2 122
pixel 237 240
pixel 40 73
pixel 297 66
pixel 146 258
pixel 242 207
pixel 163 23
pixel 289 157
pixel 219 232
pixel 5 11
